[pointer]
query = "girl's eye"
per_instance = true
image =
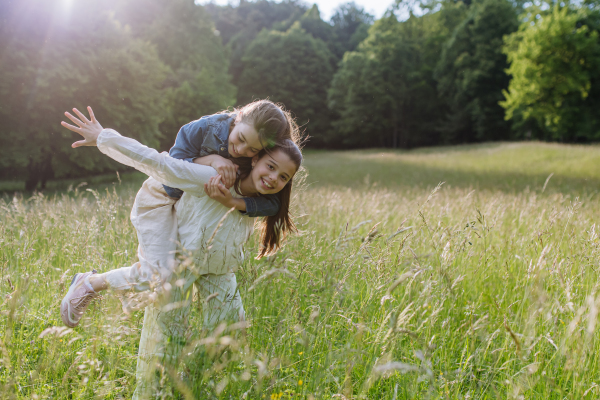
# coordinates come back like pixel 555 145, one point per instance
pixel 270 167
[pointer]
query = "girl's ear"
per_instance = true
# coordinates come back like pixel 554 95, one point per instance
pixel 254 160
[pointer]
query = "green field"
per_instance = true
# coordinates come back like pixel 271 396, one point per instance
pixel 396 288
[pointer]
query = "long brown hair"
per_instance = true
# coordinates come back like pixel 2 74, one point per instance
pixel 274 229
pixel 271 121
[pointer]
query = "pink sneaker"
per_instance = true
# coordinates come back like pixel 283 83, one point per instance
pixel 77 299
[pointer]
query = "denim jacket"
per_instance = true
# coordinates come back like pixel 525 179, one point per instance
pixel 209 135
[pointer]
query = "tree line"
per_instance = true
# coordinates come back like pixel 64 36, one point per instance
pixel 458 72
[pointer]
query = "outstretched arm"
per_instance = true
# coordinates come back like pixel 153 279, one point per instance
pixel 165 169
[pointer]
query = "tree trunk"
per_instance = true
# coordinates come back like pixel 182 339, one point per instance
pixel 395 132
pixel 33 176
pixel 394 126
pixel 39 171
pixel 47 171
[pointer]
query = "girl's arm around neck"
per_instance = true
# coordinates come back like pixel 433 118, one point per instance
pixel 169 171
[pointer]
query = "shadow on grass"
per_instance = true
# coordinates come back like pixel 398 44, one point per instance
pixel 342 171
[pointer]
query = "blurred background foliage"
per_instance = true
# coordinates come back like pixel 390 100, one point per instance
pixel 447 72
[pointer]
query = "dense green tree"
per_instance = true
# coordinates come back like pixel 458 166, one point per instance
pixel 555 69
pixel 347 28
pixel 56 56
pixel 350 27
pixel 184 35
pixel 471 74
pixel 251 17
pixel 312 23
pixel 352 97
pixel 384 92
pixel 293 68
pixel 238 26
pixel 371 88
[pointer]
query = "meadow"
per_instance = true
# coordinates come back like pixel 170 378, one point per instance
pixel 467 272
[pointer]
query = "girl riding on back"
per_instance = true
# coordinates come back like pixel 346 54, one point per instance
pixel 212 234
pixel 215 140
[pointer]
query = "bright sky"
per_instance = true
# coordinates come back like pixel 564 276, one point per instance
pixel 326 7
pixel 373 7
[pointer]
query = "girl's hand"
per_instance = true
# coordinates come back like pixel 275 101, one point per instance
pixel 216 191
pixel 226 169
pixel 90 130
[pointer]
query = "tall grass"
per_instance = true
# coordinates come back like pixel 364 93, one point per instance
pixel 484 287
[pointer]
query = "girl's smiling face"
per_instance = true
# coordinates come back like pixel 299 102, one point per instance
pixel 244 141
pixel 272 172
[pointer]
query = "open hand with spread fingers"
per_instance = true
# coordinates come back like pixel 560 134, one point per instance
pixel 88 128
